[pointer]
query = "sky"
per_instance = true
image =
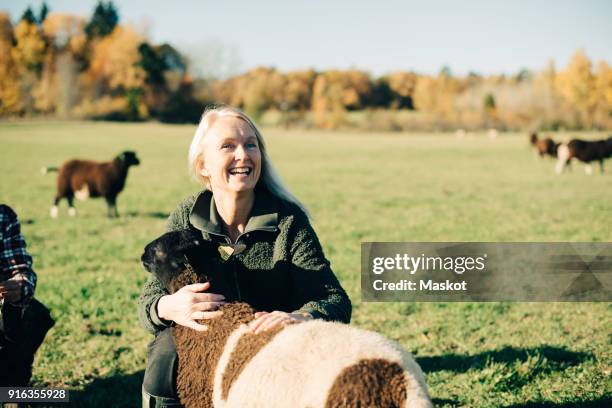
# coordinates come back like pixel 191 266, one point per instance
pixel 379 36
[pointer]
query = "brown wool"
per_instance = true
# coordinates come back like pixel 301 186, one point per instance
pixel 247 347
pixel 186 277
pixel 372 383
pixel 199 352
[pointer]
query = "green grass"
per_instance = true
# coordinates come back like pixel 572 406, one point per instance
pixel 359 187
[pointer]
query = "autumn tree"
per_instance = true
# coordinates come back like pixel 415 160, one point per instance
pixel 603 91
pixel 425 94
pixel 437 95
pixel 66 32
pixel 255 91
pixel 29 50
pixel 114 71
pixel 347 90
pixel 335 92
pixel 45 91
pixel 10 91
pixel 264 90
pixel 402 85
pixel 577 85
pixel 28 54
pixel 298 91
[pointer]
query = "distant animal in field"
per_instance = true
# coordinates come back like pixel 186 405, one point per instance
pixel 586 152
pixel 545 146
pixel 314 364
pixel 89 179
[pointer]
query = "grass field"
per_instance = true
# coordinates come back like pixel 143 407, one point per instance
pixel 359 187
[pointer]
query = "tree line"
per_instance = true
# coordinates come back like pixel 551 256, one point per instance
pixel 60 65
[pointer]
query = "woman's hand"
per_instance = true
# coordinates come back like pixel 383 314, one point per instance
pixel 265 321
pixel 10 290
pixel 187 305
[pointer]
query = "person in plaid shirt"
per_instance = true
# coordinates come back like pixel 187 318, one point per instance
pixel 17 279
pixel 23 320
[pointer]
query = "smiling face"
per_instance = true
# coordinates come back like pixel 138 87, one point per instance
pixel 231 156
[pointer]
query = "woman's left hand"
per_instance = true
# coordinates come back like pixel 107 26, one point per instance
pixel 265 321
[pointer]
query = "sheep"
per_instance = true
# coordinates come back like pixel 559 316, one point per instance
pixel 310 364
pixel 586 152
pixel 85 178
pixel 545 146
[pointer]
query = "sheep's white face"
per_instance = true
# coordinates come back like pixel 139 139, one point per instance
pixel 232 159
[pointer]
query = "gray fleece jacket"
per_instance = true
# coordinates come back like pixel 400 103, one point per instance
pixel 281 267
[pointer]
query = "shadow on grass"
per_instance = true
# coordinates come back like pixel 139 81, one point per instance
pixel 444 402
pixel 148 214
pixel 557 358
pixel 119 391
pixel 596 403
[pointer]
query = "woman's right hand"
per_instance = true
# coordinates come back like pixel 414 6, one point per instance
pixel 187 305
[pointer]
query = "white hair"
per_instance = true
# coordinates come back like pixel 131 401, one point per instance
pixel 269 178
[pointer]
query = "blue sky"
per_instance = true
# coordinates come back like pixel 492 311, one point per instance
pixel 377 35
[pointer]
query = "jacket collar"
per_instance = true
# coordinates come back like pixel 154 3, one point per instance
pixel 264 215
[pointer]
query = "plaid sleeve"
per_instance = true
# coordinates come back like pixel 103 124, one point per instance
pixel 15 262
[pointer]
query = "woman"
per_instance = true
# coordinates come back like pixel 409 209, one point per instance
pixel 270 249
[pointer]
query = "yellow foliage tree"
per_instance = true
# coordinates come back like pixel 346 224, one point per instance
pixel 45 91
pixel 425 94
pixel 298 91
pixel 66 31
pixel 10 93
pixel 603 90
pixel 341 90
pixel 28 54
pixel 576 84
pixel 335 92
pixel 326 103
pixel 437 95
pixel 603 85
pixel 29 50
pixel 264 89
pixel 115 57
pixel 114 69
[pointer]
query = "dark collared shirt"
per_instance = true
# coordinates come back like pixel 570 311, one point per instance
pixel 279 264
